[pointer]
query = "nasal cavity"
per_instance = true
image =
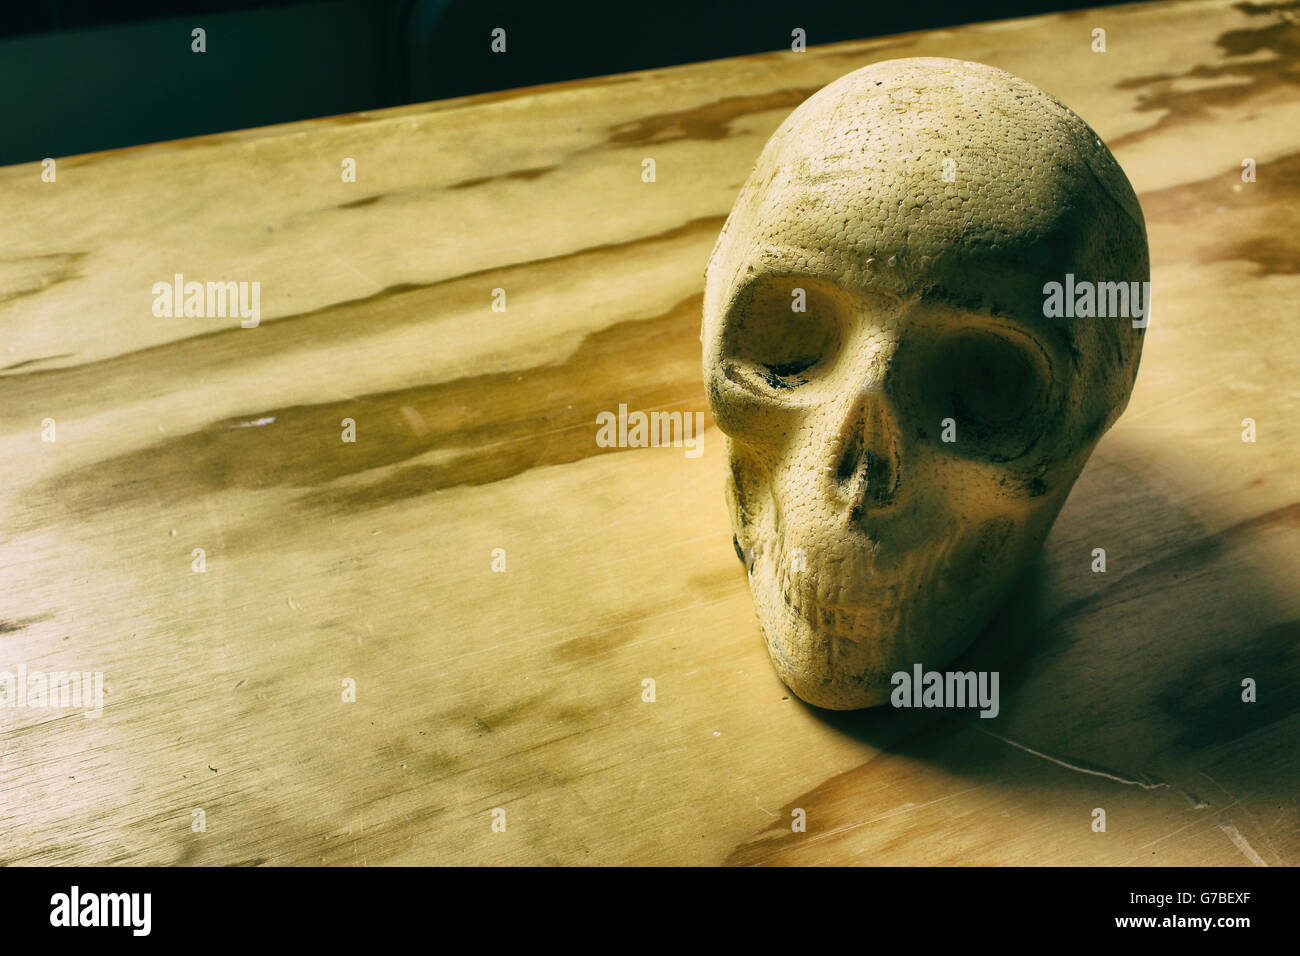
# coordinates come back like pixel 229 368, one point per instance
pixel 881 480
pixel 851 458
pixel 866 470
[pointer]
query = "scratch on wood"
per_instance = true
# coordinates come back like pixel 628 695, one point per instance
pixel 1077 768
pixel 1240 843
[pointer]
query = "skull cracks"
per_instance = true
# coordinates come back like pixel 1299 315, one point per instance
pixel 903 423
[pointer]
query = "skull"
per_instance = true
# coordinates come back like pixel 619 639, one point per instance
pixel 899 447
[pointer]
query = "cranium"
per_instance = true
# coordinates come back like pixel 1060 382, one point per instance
pixel 899 450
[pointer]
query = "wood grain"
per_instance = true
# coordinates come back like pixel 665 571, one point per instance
pixel 372 561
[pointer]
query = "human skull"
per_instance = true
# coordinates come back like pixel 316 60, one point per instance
pixel 899 450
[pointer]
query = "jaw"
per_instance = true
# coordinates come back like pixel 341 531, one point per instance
pixel 841 654
pixel 834 654
pixel 916 590
pixel 831 655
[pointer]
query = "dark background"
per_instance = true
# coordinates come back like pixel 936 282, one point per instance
pixel 79 75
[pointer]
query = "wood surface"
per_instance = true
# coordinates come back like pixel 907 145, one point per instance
pixel 475 430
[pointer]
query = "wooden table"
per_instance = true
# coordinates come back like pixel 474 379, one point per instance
pixel 328 562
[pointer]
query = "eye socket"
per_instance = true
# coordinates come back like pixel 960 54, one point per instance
pixel 767 341
pixel 993 387
pixel 786 374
